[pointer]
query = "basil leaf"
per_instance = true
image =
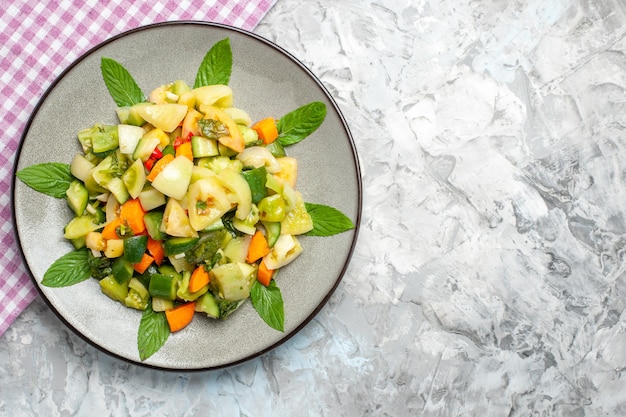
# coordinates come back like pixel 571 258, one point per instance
pixel 121 85
pixel 327 221
pixel 69 269
pixel 50 178
pixel 268 302
pixel 153 332
pixel 216 65
pixel 300 123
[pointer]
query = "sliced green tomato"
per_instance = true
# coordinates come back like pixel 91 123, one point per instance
pixel 239 116
pixel 134 178
pixel 175 177
pixel 165 116
pixel 113 289
pixel 81 167
pixel 232 281
pixel 145 147
pixel 272 208
pixel 218 94
pixel 236 249
pixel 104 139
pixel 288 170
pixel 199 173
pixel 150 198
pixel 248 225
pixel 134 248
pixel 129 115
pixel 233 140
pixel 138 296
pixel 218 163
pixel 297 221
pixel 250 136
pixel 77 197
pixel 238 191
pixel 175 220
pixel 285 250
pixel 118 189
pixel 80 226
pixel 129 137
pixel 207 203
pixel 259 156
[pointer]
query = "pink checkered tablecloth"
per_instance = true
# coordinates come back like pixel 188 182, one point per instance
pixel 38 40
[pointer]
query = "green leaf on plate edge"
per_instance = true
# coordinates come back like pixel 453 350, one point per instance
pixel 216 66
pixel 327 221
pixel 268 303
pixel 153 332
pixel 121 85
pixel 49 178
pixel 69 269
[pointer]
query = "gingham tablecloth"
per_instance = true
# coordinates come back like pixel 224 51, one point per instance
pixel 38 40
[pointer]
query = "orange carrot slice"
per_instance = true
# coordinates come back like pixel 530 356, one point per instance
pixel 266 129
pixel 264 275
pixel 199 278
pixel 159 165
pixel 179 317
pixel 258 247
pixel 141 266
pixel 131 213
pixel 156 250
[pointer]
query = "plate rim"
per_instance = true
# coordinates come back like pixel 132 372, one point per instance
pixel 357 221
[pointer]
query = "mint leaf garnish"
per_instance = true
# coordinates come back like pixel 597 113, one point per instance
pixel 69 269
pixel 327 221
pixel 121 85
pixel 216 66
pixel 300 123
pixel 50 178
pixel 268 302
pixel 153 332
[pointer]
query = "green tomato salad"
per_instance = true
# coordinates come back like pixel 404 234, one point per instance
pixel 186 206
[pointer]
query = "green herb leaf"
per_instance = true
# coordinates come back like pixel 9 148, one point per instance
pixel 300 123
pixel 121 85
pixel 216 66
pixel 327 221
pixel 268 302
pixel 69 269
pixel 50 178
pixel 153 332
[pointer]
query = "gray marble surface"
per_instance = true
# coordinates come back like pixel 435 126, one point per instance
pixel 489 277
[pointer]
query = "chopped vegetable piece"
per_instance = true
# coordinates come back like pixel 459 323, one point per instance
pixel 199 278
pixel 155 248
pixel 142 266
pixel 185 150
pixel 179 317
pixel 158 166
pixel 266 129
pixel 264 274
pixel 258 247
pixel 132 214
pixel 110 230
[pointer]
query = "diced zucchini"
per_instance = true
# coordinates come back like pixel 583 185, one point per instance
pixel 121 270
pixel 77 197
pixel 178 245
pixel 207 304
pixel 256 179
pixel 163 286
pixel 135 247
pixel 272 232
pixel 202 147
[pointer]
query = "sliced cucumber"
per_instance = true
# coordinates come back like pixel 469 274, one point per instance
pixel 176 245
pixel 202 147
pixel 77 197
pixel 134 178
